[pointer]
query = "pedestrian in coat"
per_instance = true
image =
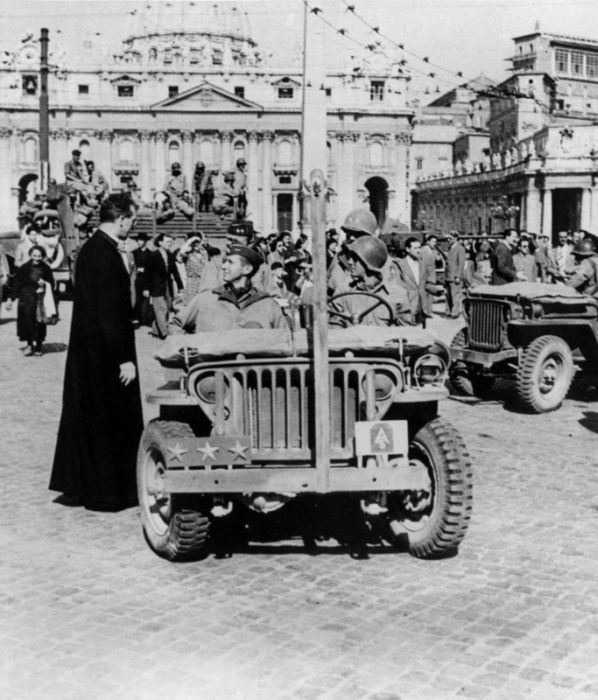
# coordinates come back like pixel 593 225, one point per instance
pixel 418 278
pixel 501 259
pixel 525 261
pixel 454 276
pixel 101 422
pixel 32 282
pixel 161 272
pixel 143 309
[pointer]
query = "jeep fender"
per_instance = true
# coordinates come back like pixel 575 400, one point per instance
pixel 582 336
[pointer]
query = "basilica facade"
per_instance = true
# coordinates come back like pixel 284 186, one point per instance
pixel 194 86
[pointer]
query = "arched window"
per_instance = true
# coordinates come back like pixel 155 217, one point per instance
pixel 375 154
pixel 126 150
pixel 239 150
pixel 206 152
pixel 30 150
pixel 85 150
pixel 174 150
pixel 285 152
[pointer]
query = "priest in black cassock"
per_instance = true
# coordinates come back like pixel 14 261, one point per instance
pixel 101 423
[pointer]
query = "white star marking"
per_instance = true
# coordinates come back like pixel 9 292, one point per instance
pixel 177 452
pixel 208 451
pixel 239 450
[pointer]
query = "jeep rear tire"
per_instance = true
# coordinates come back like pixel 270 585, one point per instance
pixel 465 379
pixel 544 374
pixel 438 523
pixel 175 526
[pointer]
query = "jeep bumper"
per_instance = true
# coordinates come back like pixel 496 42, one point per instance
pixel 484 359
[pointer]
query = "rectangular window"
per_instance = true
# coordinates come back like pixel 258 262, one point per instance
pixel 577 63
pixel 419 163
pixel 285 93
pixel 217 57
pixel 125 91
pixel 376 90
pixel 239 91
pixel 328 92
pixel 562 61
pixel 29 84
pixel 592 66
pixel 84 89
pixel 173 90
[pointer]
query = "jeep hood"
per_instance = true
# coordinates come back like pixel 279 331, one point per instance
pixel 529 290
pixel 193 347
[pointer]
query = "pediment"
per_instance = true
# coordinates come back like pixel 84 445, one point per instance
pixel 207 98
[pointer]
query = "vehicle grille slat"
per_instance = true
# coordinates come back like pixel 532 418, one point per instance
pixel 485 329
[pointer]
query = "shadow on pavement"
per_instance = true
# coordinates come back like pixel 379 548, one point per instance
pixel 54 347
pixel 590 421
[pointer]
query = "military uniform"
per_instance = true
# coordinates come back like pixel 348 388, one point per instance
pixel 585 278
pixel 221 309
pixel 395 295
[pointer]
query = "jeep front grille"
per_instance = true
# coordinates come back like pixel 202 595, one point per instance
pixel 486 324
pixel 272 403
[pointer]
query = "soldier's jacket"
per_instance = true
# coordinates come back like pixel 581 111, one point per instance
pixel 585 278
pixel 394 294
pixel 220 309
pixel 176 185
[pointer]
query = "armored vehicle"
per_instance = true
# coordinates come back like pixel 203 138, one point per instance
pixel 536 334
pixel 237 437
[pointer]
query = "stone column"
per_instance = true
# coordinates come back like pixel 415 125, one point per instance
pixel 350 146
pixel 7 223
pixel 145 174
pixel 586 209
pixel 533 209
pixel 593 227
pixel 267 204
pixel 104 155
pixel 160 160
pixel 226 138
pixel 60 154
pixel 547 212
pixel 253 139
pixel 400 164
pixel 187 139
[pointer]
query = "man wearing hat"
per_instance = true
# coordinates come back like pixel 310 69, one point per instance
pixel 235 304
pixel 358 223
pixel 366 258
pixel 455 268
pixel 585 278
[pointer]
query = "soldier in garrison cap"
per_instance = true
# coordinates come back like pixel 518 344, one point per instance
pixel 235 304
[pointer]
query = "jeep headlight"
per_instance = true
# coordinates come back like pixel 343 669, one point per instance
pixel 203 385
pixel 430 369
pixel 386 383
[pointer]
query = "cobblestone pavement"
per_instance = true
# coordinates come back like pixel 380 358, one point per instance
pixel 88 611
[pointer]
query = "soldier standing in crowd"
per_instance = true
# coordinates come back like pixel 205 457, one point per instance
pixel 236 304
pixel 454 277
pixel 501 259
pixel 585 277
pixel 101 422
pixel 201 180
pixel 161 271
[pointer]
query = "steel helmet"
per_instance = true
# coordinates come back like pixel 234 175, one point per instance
pixel 584 248
pixel 360 221
pixel 371 251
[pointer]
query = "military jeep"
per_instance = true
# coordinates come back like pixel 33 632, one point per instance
pixel 235 439
pixel 536 334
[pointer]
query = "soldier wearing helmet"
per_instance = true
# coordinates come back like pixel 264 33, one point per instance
pixel 367 258
pixel 585 277
pixel 358 223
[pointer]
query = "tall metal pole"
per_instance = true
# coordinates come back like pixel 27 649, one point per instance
pixel 302 183
pixel 44 115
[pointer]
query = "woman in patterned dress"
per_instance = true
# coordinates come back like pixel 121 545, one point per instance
pixel 195 258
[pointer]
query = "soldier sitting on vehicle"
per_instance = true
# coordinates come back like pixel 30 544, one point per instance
pixel 367 257
pixel 236 304
pixel 585 277
pixel 358 223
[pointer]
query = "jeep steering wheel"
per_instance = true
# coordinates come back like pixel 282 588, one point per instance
pixel 356 318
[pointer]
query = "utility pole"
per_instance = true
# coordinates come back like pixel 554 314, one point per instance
pixel 44 116
pixel 314 153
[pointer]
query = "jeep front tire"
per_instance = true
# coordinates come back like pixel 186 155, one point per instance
pixel 175 526
pixel 544 374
